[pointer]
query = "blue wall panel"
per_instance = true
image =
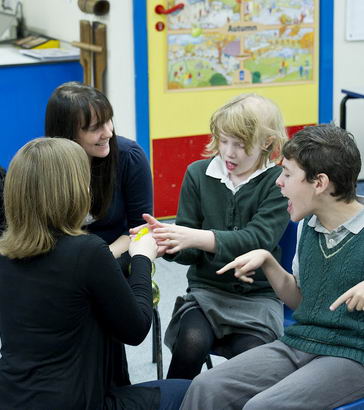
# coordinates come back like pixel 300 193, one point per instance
pixel 24 92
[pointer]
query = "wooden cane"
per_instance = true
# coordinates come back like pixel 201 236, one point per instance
pixel 86 55
pixel 100 58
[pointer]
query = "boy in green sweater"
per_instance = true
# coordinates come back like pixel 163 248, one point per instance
pixel 318 363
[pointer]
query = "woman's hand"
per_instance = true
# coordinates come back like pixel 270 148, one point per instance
pixel 151 224
pixel 143 245
pixel 120 246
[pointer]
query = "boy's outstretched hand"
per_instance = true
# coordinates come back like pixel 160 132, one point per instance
pixel 245 265
pixel 354 298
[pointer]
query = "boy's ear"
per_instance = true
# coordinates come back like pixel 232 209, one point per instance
pixel 321 182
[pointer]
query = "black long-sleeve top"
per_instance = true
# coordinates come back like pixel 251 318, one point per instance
pixel 60 314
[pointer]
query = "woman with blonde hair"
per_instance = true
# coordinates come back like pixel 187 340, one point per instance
pixel 63 296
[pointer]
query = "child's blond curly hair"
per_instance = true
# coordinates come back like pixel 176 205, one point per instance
pixel 253 119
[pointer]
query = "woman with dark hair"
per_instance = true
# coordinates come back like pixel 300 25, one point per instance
pixel 121 184
pixel 64 300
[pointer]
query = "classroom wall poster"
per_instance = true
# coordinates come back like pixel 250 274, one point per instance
pixel 231 43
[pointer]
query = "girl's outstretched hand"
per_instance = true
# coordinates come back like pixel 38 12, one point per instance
pixel 151 223
pixel 174 237
pixel 245 265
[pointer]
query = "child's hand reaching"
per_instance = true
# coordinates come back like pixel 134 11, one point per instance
pixel 143 244
pixel 354 298
pixel 174 237
pixel 245 265
pixel 151 223
pixel 177 237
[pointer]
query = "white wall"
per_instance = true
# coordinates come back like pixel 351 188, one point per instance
pixel 349 74
pixel 60 19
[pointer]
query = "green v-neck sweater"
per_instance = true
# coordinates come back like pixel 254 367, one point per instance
pixel 325 274
pixel 255 217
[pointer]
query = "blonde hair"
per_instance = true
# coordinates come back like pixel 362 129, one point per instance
pixel 253 119
pixel 46 194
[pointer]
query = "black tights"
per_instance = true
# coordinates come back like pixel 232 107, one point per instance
pixel 196 339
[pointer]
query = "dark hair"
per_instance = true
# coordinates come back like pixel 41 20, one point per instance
pixel 330 150
pixel 70 109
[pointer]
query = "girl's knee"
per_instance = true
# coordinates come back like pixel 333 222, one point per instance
pixel 192 343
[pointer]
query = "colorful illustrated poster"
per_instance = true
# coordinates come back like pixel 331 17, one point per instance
pixel 240 43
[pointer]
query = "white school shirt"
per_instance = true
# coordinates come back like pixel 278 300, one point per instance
pixel 217 169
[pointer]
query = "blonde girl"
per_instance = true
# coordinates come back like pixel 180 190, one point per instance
pixel 229 204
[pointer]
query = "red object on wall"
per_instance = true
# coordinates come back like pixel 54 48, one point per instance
pixel 295 128
pixel 171 156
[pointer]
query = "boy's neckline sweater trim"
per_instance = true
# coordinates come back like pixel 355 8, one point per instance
pixel 330 252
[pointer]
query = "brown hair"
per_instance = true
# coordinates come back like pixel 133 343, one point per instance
pixel 329 150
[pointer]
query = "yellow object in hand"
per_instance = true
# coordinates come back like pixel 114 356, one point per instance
pixel 141 233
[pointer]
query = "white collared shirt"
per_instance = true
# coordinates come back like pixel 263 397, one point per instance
pixel 217 169
pixel 89 219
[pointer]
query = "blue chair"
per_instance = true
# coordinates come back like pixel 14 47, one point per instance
pixel 288 246
pixel 355 405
